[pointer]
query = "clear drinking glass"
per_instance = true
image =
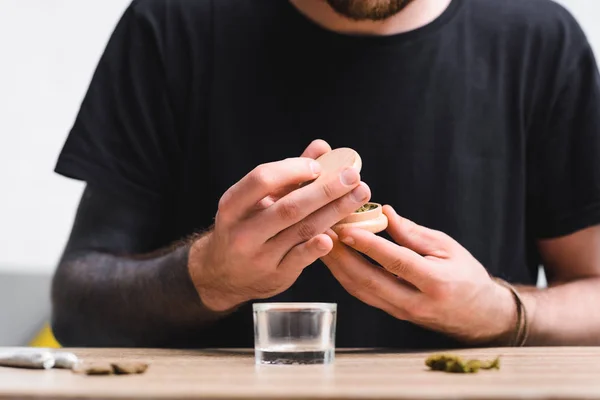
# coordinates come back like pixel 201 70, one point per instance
pixel 294 333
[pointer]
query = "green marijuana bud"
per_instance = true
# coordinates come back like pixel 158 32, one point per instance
pixel 455 364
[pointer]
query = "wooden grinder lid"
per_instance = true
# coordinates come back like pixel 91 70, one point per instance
pixel 371 217
pixel 338 159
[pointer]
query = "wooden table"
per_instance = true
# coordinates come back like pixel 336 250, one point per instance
pixel 529 373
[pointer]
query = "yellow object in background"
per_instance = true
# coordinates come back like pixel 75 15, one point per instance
pixel 45 338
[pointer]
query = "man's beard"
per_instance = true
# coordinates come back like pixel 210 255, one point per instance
pixel 363 10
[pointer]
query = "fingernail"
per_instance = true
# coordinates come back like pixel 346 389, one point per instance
pixel 348 240
pixel 359 194
pixel 349 177
pixel 315 167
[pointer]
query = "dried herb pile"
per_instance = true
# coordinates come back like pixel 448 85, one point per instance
pixel 455 364
pixel 121 368
pixel 366 207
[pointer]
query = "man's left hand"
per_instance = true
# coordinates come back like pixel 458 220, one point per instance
pixel 427 278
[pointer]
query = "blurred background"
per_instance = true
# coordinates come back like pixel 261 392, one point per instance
pixel 49 50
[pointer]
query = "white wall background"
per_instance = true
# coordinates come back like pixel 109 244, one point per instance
pixel 48 50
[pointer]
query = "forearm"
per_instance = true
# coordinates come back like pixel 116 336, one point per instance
pixel 104 300
pixel 565 314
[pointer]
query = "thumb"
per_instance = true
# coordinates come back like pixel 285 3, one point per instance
pixel 422 240
pixel 316 149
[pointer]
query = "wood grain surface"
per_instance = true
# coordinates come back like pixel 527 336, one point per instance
pixel 526 373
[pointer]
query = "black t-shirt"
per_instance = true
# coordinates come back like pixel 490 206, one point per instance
pixel 484 124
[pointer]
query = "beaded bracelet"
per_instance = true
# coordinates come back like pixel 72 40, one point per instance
pixel 522 329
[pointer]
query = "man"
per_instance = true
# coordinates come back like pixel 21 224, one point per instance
pixel 478 123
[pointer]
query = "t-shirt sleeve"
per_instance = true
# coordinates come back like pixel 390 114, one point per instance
pixel 123 137
pixel 564 159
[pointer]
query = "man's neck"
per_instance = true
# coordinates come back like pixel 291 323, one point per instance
pixel 417 14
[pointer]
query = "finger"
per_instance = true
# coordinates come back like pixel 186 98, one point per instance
pixel 316 149
pixel 400 261
pixel 265 179
pixel 367 282
pixel 261 205
pixel 365 296
pixel 323 218
pixel 300 203
pixel 305 254
pixel 420 239
pixel 332 261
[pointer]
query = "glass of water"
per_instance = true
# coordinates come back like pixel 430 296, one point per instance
pixel 294 333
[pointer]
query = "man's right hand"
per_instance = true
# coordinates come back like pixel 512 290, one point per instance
pixel 266 233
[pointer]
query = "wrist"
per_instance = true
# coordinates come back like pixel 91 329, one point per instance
pixel 513 315
pixel 506 316
pixel 211 291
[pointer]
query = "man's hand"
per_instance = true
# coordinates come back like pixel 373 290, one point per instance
pixel 268 229
pixel 427 278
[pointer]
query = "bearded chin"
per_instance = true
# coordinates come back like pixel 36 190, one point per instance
pixel 368 10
